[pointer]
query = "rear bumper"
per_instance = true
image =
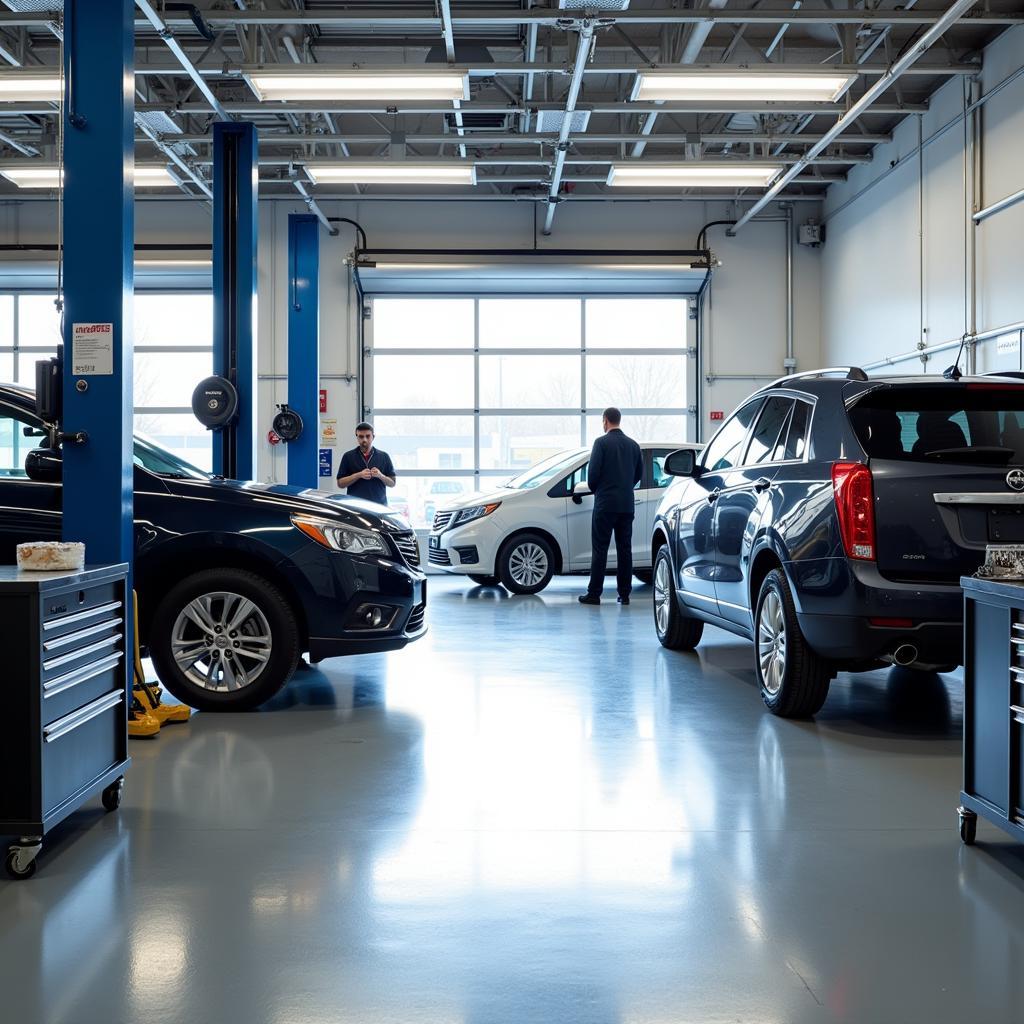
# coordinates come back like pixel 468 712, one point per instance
pixel 836 598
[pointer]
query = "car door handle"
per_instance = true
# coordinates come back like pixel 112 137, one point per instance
pixel 713 496
pixel 763 484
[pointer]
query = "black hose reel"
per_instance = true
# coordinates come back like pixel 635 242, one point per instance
pixel 215 403
pixel 287 424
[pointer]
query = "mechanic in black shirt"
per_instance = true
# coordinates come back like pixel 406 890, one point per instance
pixel 366 471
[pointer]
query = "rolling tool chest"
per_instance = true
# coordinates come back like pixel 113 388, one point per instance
pixel 993 707
pixel 63 730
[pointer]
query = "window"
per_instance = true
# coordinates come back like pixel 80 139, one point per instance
pixel 726 448
pixel 659 478
pixel 479 389
pixel 796 442
pixel 173 336
pixel 764 441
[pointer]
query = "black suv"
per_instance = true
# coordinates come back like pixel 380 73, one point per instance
pixel 830 520
pixel 235 580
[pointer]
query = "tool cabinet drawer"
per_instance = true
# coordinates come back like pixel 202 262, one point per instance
pixel 77 608
pixel 80 746
pixel 77 685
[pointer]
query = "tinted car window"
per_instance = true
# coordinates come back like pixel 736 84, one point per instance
pixel 770 426
pixel 973 423
pixel 727 447
pixel 796 441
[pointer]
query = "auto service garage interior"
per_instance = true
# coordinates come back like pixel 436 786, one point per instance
pixel 272 753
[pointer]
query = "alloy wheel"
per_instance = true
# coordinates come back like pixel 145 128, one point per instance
pixel 661 597
pixel 771 643
pixel 528 564
pixel 221 641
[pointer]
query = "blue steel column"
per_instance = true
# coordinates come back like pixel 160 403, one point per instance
pixel 304 345
pixel 98 220
pixel 235 196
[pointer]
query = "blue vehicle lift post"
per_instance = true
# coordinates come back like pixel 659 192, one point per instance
pixel 235 195
pixel 98 277
pixel 304 345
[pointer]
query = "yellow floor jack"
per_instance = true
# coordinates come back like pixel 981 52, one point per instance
pixel 149 712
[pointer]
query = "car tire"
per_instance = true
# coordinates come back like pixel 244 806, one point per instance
pixel 526 564
pixel 675 630
pixel 794 680
pixel 226 675
pixel 482 580
pixel 645 576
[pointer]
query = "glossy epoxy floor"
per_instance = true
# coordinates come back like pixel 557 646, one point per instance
pixel 534 815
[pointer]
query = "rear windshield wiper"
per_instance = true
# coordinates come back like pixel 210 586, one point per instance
pixel 987 455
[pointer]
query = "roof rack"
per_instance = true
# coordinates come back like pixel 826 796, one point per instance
pixel 847 372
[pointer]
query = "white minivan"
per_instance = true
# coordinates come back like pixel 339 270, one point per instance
pixel 537 525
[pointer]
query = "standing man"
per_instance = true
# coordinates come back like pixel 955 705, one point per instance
pixel 366 471
pixel 616 466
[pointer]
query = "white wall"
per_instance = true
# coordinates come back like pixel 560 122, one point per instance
pixel 895 265
pixel 745 328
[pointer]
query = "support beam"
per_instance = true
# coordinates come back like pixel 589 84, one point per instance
pixel 917 50
pixel 235 192
pixel 304 346
pixel 98 229
pixel 583 48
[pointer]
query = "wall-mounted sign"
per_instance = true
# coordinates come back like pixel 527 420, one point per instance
pixel 92 350
pixel 329 433
pixel 323 399
pixel 1008 344
pixel 272 437
pixel 716 414
pixel 326 462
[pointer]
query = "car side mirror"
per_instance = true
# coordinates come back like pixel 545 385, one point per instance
pixel 682 463
pixel 44 465
pixel 579 492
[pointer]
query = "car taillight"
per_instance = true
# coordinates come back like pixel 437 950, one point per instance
pixel 855 507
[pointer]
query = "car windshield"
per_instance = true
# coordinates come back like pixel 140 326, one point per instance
pixel 977 423
pixel 544 472
pixel 151 456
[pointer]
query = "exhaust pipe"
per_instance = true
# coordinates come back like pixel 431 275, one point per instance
pixel 904 655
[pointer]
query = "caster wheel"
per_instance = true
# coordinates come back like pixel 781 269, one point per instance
pixel 16 868
pixel 968 827
pixel 112 795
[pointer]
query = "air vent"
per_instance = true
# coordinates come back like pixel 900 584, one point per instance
pixel 551 120
pixel 593 5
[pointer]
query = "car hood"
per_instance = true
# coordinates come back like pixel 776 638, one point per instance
pixel 293 500
pixel 480 498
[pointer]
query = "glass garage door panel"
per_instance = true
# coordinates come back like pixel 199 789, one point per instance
pixel 647 428
pixel 636 382
pixel 529 382
pixel 529 323
pixel 425 442
pixel 38 320
pixel 169 378
pixel 178 318
pixel 423 323
pixel 517 442
pixel 6 322
pixel 636 323
pixel 423 382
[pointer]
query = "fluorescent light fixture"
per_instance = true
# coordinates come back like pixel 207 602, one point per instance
pixel 698 174
pixel 734 85
pixel 356 85
pixel 392 172
pixel 30 84
pixel 28 174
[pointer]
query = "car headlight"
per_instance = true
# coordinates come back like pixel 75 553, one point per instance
pixel 467 515
pixel 341 538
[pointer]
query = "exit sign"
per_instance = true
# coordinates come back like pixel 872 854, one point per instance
pixel 323 400
pixel 716 414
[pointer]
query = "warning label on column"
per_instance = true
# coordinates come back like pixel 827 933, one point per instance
pixel 92 349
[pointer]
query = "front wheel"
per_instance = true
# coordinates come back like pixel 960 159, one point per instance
pixel 224 640
pixel 675 630
pixel 526 564
pixel 794 680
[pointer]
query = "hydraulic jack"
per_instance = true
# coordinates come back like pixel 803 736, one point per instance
pixel 149 712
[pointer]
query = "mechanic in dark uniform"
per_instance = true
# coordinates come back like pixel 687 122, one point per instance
pixel 616 466
pixel 366 471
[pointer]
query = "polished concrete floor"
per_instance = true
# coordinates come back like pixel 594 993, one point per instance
pixel 533 815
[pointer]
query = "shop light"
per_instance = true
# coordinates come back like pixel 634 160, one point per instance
pixel 28 174
pixel 698 174
pixel 392 172
pixel 356 85
pixel 732 85
pixel 30 84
